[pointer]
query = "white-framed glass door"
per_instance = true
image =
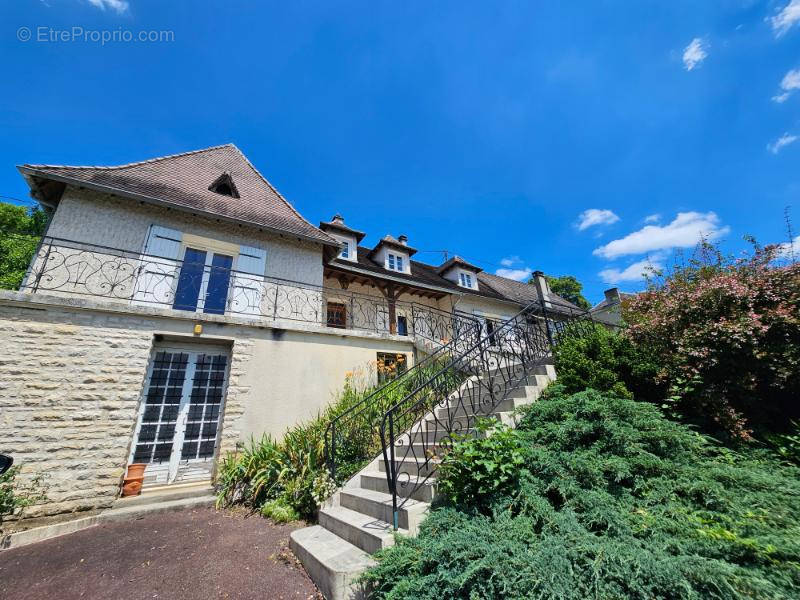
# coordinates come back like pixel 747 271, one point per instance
pixel 180 415
pixel 203 281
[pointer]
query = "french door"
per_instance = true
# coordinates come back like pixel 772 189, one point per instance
pixel 203 281
pixel 178 424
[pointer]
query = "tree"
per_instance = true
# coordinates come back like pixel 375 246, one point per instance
pixel 21 228
pixel 568 288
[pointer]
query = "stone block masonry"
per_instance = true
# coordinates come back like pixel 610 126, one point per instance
pixel 70 386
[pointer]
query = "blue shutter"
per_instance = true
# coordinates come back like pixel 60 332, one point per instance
pixel 248 282
pixel 155 285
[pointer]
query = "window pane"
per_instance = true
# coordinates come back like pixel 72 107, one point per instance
pixel 399 263
pixel 190 279
pixel 391 261
pixel 345 251
pixel 218 282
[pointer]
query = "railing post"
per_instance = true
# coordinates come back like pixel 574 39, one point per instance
pixel 44 264
pixel 333 450
pixel 393 470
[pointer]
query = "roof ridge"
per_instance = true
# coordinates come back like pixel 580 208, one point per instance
pixel 139 162
pixel 277 193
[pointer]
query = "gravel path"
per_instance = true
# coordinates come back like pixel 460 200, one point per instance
pixel 199 553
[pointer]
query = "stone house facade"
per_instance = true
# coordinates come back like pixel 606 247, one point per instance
pixel 179 306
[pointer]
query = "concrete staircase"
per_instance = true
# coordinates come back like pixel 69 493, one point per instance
pixel 356 521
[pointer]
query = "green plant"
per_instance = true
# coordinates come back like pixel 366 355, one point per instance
pixel 787 445
pixel 14 497
pixel 279 511
pixel 607 361
pixel 726 332
pixel 21 229
pixel 612 500
pixel 479 468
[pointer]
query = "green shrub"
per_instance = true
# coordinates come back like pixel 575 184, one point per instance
pixel 613 500
pixel 606 361
pixel 293 471
pixel 476 470
pixel 726 332
pixel 279 511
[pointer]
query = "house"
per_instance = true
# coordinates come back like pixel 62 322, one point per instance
pixel 609 310
pixel 180 305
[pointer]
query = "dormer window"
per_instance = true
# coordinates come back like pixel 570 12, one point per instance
pixel 465 280
pixel 345 252
pixel 394 262
pixel 224 186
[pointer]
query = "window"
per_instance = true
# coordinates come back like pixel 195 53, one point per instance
pixel 345 253
pixel 337 315
pixel 395 262
pixel 390 366
pixel 205 275
pixel 402 325
pixel 466 280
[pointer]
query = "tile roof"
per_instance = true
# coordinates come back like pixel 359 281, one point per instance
pixel 340 226
pixel 183 180
pixel 389 240
pixel 457 260
pixel 489 286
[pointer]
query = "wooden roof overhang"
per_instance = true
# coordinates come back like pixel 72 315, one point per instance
pixel 388 286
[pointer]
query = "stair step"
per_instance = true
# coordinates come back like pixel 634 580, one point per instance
pixel 468 408
pixel 408 464
pixel 363 531
pixel 435 434
pixel 332 563
pixel 379 505
pixel 417 488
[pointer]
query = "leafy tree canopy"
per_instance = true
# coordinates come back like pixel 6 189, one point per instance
pixel 568 288
pixel 20 230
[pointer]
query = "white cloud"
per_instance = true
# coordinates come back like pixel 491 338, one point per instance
pixel 652 218
pixel 684 231
pixel 515 274
pixel 790 249
pixel 510 261
pixel 634 272
pixel 789 83
pixel 782 141
pixel 786 18
pixel 596 216
pixel 694 54
pixel 119 6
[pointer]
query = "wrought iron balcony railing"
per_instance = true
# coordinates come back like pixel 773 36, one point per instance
pixel 206 284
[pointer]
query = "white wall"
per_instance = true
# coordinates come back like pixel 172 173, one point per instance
pixel 95 218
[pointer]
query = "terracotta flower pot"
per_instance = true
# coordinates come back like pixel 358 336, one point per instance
pixel 136 470
pixel 132 487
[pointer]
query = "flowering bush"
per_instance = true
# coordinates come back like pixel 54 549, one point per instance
pixel 727 334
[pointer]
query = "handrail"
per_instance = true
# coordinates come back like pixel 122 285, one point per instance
pixel 493 365
pixel 373 400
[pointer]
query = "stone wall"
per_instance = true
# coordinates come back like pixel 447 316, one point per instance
pixel 72 372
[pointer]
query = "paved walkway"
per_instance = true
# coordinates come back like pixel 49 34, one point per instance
pixel 198 553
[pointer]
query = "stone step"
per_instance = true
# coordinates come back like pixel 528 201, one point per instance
pixel 332 563
pixel 166 493
pixel 435 434
pixel 517 398
pixel 123 513
pixel 408 464
pixel 415 487
pixel 379 505
pixel 363 531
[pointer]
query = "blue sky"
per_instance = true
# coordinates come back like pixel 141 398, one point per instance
pixel 587 139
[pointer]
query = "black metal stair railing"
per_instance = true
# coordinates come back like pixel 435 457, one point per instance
pixel 478 376
pixel 352 437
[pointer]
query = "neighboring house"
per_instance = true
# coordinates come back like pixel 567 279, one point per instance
pixel 609 311
pixel 180 305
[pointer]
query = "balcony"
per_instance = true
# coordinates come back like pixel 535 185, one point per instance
pixel 204 284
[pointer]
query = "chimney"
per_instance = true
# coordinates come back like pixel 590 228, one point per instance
pixel 337 218
pixel 542 289
pixel 403 239
pixel 612 296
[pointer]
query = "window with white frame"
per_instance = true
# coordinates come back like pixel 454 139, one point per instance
pixel 465 279
pixel 345 252
pixel 394 262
